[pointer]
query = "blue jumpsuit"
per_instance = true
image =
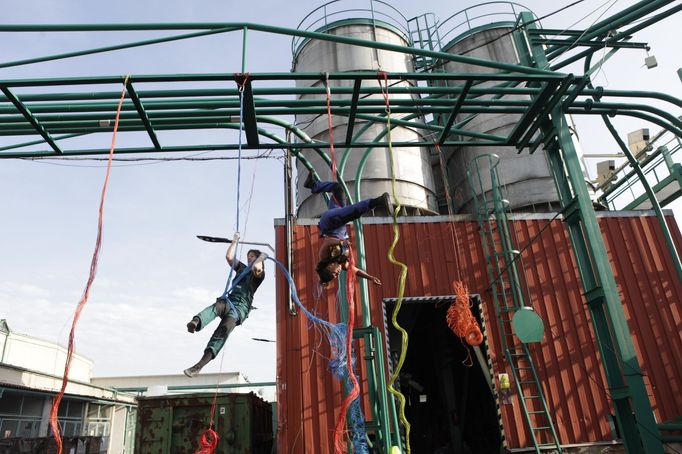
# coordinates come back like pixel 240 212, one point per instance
pixel 333 221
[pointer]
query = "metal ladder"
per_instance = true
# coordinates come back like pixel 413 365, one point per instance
pixel 506 283
pixel 423 31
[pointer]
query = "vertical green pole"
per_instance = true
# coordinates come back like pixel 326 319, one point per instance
pixel 246 29
pixel 621 367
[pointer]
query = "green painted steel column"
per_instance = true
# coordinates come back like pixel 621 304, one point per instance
pixel 246 30
pixel 623 374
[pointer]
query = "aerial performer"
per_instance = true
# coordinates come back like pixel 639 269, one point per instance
pixel 334 247
pixel 233 308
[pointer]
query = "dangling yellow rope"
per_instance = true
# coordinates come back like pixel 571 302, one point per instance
pixel 401 279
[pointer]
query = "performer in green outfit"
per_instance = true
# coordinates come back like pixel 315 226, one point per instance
pixel 232 309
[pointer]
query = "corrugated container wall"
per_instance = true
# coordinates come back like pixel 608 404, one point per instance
pixel 174 424
pixel 439 252
pixel 415 187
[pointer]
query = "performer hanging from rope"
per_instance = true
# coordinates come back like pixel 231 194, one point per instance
pixel 232 309
pixel 335 247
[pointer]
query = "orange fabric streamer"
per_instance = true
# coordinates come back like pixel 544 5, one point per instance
pixel 54 421
pixel 460 319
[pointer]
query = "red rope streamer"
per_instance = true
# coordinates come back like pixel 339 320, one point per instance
pixel 340 430
pixel 208 442
pixel 54 422
pixel 460 319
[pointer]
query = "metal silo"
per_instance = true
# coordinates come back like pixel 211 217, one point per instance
pixel 414 175
pixel 526 178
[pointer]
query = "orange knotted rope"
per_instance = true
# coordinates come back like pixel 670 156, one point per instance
pixel 460 319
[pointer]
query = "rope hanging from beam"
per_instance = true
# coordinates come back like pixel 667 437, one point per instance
pixel 383 77
pixel 54 421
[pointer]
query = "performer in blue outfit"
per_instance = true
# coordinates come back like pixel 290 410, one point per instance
pixel 334 246
pixel 232 310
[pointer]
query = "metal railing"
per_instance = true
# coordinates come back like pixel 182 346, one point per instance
pixel 464 21
pixel 335 11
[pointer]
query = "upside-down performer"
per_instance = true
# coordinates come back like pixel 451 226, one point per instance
pixel 334 247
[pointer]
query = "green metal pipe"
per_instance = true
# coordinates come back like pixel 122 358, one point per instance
pixel 110 48
pixel 281 76
pixel 38 142
pixel 277 30
pixel 113 96
pixel 244 31
pixel 647 187
pixel 361 253
pixel 215 104
pixel 618 36
pixel 37 127
pixel 652 197
pixel 620 107
pixel 629 113
pixel 627 390
pixel 611 23
pixel 210 92
pixel 214 114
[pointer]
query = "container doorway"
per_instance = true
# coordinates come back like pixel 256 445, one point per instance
pixel 450 404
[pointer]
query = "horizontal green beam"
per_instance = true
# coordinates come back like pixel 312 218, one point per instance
pixel 598 44
pixel 81 53
pixel 281 76
pixel 53 112
pixel 277 30
pixel 215 92
pixel 229 147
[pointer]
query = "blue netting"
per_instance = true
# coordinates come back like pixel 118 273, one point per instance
pixel 336 334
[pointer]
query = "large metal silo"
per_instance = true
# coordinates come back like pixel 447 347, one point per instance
pixel 527 181
pixel 413 171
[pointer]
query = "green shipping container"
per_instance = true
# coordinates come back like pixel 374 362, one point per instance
pixel 173 424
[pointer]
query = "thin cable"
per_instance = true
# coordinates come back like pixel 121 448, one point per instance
pixel 516 28
pixel 448 200
pixel 403 272
pixel 329 125
pixel 54 421
pixel 208 441
pixel 584 31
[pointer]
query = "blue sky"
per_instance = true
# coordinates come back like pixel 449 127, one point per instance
pixel 153 273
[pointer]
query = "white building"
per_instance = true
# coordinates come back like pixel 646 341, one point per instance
pixel 155 385
pixel 31 372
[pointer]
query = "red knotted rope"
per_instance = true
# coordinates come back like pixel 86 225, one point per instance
pixel 54 422
pixel 208 442
pixel 340 430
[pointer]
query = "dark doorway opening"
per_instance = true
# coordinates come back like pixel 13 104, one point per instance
pixel 450 405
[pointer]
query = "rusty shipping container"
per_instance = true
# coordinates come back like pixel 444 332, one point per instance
pixel 439 250
pixel 173 424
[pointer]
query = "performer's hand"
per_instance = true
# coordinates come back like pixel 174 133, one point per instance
pixel 235 237
pixel 376 280
pixel 261 258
